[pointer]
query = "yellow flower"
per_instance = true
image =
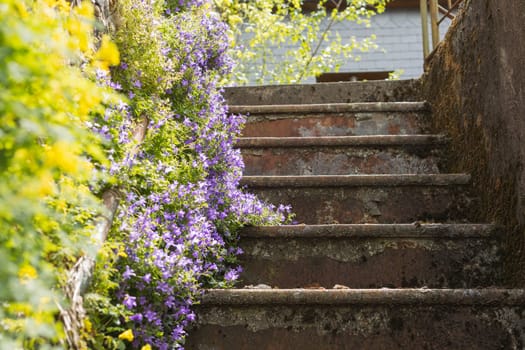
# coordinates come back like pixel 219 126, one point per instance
pixel 63 155
pixel 122 253
pixel 85 9
pixel 234 20
pixel 79 31
pixel 127 335
pixel 22 10
pixel 26 273
pixel 146 347
pixel 107 55
pixel 88 326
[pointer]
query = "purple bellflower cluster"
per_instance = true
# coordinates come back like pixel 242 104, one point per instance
pixel 181 205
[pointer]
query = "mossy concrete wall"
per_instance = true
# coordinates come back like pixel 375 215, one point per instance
pixel 475 81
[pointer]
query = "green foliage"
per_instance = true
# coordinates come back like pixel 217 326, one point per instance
pixel 47 158
pixel 307 44
pixel 181 205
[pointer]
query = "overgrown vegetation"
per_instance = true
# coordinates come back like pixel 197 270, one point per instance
pixel 181 204
pixel 165 145
pixel 48 160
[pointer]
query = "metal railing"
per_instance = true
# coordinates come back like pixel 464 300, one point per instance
pixel 435 8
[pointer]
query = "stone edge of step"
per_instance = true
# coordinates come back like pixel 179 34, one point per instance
pixel 415 231
pixel 354 107
pixel 377 90
pixel 382 296
pixel 387 180
pixel 341 141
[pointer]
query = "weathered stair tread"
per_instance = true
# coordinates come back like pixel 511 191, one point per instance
pixel 356 180
pixel 379 319
pixel 371 255
pixel 399 90
pixel 342 155
pixel 330 108
pixel 360 201
pixel 365 140
pixel 414 230
pixel 381 296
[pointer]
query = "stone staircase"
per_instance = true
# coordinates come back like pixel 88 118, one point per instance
pixel 383 255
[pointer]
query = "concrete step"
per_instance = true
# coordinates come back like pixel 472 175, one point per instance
pixel 372 91
pixel 344 199
pixel 264 319
pixel 341 155
pixel 371 256
pixel 335 119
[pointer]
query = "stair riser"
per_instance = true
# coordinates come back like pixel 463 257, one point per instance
pixel 336 124
pixel 340 160
pixel 374 204
pixel 306 327
pixel 368 263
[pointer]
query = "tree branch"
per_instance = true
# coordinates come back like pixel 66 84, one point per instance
pixel 321 40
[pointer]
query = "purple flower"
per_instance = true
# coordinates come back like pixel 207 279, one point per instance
pixel 150 315
pixel 177 332
pixel 128 273
pixel 182 203
pixel 191 317
pixel 129 302
pixel 232 274
pixel 136 318
pixel 115 86
pixel 147 278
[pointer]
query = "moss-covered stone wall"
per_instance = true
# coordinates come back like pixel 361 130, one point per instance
pixel 475 81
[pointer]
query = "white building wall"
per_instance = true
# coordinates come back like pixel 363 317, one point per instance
pixel 398 35
pixel 399 40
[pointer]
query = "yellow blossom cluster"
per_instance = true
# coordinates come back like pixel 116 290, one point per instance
pixel 48 157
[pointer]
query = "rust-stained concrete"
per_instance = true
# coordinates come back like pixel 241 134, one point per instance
pixel 371 255
pixel 356 107
pixel 342 160
pixel 362 204
pixel 336 124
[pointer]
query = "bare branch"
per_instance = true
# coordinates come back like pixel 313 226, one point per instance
pixel 321 40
